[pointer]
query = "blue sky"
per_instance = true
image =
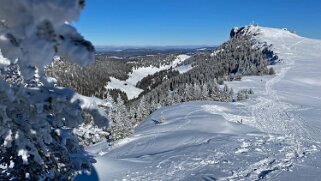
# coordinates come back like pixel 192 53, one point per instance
pixel 191 22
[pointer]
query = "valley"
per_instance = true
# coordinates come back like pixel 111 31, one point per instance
pixel 273 135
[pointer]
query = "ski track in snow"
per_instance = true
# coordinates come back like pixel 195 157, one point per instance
pixel 274 117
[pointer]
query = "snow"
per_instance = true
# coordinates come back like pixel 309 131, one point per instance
pixel 191 145
pixel 280 138
pixel 137 74
pixel 183 68
pixel 24 155
pixel 155 149
pixel 95 106
pixel 32 35
pixel 215 52
pixel 180 59
pixel 3 61
pixel 289 102
pixel 8 140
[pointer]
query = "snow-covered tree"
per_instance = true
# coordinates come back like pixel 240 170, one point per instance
pixel 271 71
pixel 170 98
pixel 89 133
pixel 189 93
pixel 227 93
pixel 122 123
pixel 162 118
pixel 242 94
pixel 142 109
pixel 37 119
pixel 34 31
pixel 111 101
pixel 204 92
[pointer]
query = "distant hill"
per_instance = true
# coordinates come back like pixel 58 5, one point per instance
pixel 144 51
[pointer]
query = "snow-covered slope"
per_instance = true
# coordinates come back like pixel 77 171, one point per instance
pixel 290 102
pixel 129 85
pixel 278 140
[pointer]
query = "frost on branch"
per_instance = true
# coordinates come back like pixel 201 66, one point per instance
pixel 37 121
pixel 36 130
pixel 32 32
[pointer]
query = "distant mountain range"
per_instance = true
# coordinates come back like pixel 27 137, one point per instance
pixel 109 48
pixel 126 52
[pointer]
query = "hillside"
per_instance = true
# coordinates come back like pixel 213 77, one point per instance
pixel 129 85
pixel 273 135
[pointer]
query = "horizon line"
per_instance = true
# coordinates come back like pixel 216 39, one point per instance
pixel 205 45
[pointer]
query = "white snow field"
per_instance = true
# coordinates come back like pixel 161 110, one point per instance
pixel 278 140
pixel 129 85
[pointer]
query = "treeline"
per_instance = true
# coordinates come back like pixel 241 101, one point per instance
pixel 126 117
pixel 150 82
pixel 89 80
pixel 230 61
pixel 92 79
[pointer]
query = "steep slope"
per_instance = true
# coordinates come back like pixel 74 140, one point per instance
pixel 289 103
pixel 275 109
pixel 281 130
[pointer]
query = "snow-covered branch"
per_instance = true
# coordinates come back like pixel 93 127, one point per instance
pixel 36 122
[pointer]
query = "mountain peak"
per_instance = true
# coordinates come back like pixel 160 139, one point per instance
pixel 255 30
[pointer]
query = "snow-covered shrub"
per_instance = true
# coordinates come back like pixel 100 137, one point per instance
pixel 37 119
pixel 89 133
pixel 244 94
pixel 271 71
pixel 162 118
pixel 123 123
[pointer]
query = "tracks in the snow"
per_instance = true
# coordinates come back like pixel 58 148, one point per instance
pixel 275 117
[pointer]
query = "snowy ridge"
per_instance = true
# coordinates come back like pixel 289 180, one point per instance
pixel 278 140
pixel 285 44
pixel 278 113
pixel 129 85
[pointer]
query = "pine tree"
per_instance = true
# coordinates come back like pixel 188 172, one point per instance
pixel 153 105
pixel 122 124
pixel 205 92
pixel 170 99
pixel 142 110
pixel 231 94
pixel 197 92
pixel 226 93
pixel 242 95
pixel 111 101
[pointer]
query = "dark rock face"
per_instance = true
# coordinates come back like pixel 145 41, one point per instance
pixel 234 32
pixel 273 58
pixel 243 31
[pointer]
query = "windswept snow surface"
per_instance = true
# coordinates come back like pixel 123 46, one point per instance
pixel 3 61
pixel 278 140
pixel 129 85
